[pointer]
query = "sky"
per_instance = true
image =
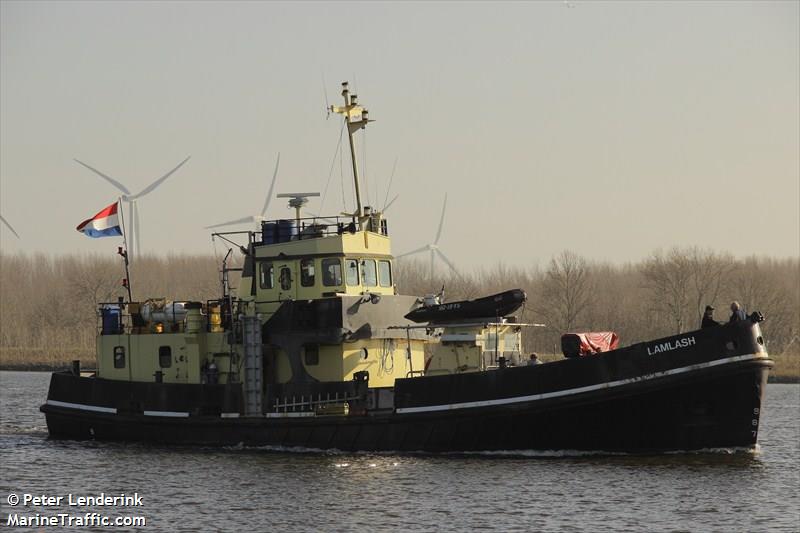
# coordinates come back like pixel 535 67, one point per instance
pixel 611 129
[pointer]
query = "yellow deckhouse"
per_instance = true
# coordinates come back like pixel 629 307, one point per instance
pixel 307 275
pixel 316 304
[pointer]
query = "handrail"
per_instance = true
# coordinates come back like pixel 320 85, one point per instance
pixel 311 404
pixel 309 228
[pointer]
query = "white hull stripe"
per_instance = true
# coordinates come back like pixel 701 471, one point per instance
pixel 297 414
pixel 173 414
pixel 112 410
pixel 82 407
pixel 579 390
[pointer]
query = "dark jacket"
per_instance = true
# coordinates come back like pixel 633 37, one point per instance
pixel 708 322
pixel 738 315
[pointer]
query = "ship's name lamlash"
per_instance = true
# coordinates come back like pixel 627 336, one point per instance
pixel 668 346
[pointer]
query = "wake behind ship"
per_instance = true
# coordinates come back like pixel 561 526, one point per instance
pixel 315 349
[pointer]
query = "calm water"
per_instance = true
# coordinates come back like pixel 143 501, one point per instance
pixel 190 489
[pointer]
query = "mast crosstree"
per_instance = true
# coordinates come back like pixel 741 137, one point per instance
pixel 356 118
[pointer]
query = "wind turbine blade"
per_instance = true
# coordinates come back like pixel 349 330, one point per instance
pixel 237 221
pixel 446 260
pixel 325 92
pixel 136 222
pixel 131 230
pixel 9 226
pixel 396 196
pixel 271 186
pixel 412 252
pixel 329 221
pixel 389 187
pixel 109 179
pixel 159 181
pixel 441 221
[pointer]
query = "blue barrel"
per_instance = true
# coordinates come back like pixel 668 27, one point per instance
pixel 111 319
pixel 287 230
pixel 269 233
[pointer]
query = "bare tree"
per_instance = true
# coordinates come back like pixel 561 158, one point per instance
pixel 46 301
pixel 709 274
pixel 91 281
pixel 756 284
pixel 667 276
pixel 565 291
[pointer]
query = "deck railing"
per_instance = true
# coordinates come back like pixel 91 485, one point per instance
pixel 311 403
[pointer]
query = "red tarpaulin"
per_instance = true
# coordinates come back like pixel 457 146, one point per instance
pixel 588 343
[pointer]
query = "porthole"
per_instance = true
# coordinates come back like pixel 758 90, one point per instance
pixel 164 356
pixel 760 340
pixel 312 354
pixel 364 354
pixel 119 357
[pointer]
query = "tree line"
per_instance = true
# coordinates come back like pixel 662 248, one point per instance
pixel 48 303
pixel 661 295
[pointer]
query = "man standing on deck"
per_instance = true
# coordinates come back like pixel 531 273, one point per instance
pixel 737 313
pixel 708 318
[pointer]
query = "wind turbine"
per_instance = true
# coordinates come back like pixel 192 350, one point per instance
pixel 133 210
pixel 433 248
pixel 386 202
pixel 261 216
pixel 9 226
pixel 344 214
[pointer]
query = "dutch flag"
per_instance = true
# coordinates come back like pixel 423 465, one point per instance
pixel 103 224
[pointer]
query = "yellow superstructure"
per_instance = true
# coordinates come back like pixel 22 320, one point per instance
pixel 316 304
pixel 178 356
pixel 476 347
pixel 350 268
pixel 321 266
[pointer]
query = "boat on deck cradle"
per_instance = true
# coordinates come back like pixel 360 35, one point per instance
pixel 315 349
pixel 496 305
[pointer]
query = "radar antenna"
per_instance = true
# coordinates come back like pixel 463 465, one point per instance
pixel 297 200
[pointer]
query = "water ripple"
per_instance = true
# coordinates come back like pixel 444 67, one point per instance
pixel 275 489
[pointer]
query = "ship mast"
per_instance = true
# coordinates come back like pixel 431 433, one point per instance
pixel 356 118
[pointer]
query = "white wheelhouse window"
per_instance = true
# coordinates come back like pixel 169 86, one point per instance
pixel 385 273
pixel 351 272
pixel 369 277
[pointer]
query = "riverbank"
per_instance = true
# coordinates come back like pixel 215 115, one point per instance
pixel 786 370
pixel 41 360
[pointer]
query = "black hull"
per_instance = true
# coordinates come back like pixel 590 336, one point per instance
pixel 628 400
pixel 701 413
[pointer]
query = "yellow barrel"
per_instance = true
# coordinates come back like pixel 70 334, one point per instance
pixel 214 317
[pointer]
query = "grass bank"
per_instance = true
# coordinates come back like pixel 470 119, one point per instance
pixel 786 369
pixel 40 359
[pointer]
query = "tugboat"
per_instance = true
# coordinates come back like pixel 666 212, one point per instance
pixel 316 350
